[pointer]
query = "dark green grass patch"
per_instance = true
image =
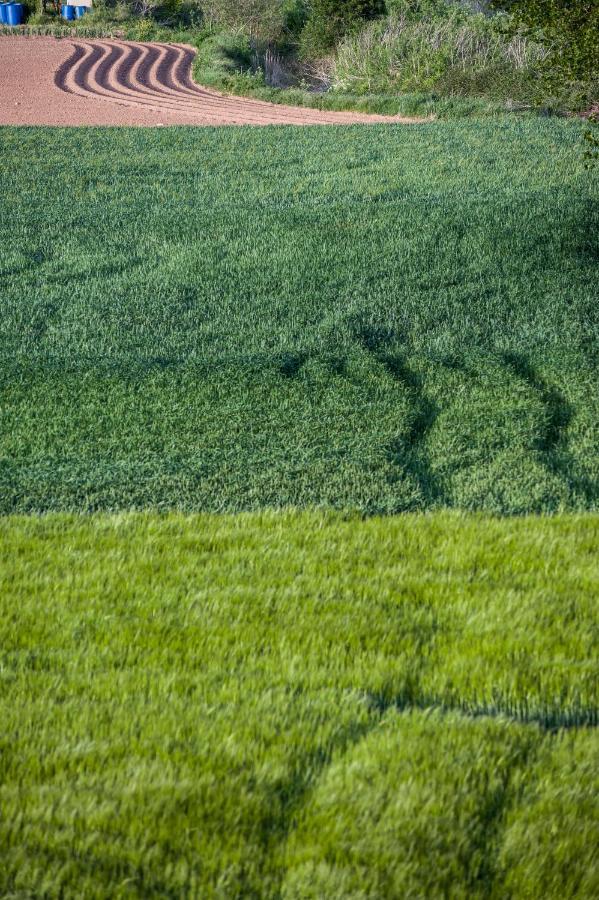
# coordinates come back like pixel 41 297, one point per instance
pixel 381 319
pixel 298 705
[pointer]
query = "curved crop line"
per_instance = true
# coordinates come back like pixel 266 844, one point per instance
pixel 299 791
pixel 104 70
pixel 134 74
pixel 111 60
pixel 552 442
pixel 155 76
pixel 99 71
pixel 121 73
pixel 123 80
pixel 108 77
pixel 559 412
pixel 81 71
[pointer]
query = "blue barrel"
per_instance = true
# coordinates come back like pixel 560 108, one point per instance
pixel 3 16
pixel 80 11
pixel 15 13
pixel 67 12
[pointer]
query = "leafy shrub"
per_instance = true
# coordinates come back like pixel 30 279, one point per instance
pixel 417 10
pixel 224 56
pixel 329 20
pixel 569 30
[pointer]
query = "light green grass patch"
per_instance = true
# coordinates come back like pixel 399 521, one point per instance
pixel 251 706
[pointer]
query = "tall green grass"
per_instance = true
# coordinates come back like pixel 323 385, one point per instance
pixel 381 319
pixel 451 54
pixel 298 705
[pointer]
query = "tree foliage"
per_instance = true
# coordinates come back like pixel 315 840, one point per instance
pixel 329 20
pixel 570 28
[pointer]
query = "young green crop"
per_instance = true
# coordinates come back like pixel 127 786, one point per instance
pixel 298 705
pixel 381 319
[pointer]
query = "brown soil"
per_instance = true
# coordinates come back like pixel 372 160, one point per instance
pixel 50 81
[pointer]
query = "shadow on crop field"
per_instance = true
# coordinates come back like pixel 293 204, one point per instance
pixel 289 798
pixel 98 272
pixel 559 411
pixel 585 233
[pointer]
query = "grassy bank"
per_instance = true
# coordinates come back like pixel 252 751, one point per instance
pixel 226 62
pixel 298 705
pixel 382 319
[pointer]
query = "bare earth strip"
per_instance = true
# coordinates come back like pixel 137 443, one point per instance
pixel 49 81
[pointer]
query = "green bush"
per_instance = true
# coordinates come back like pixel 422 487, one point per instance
pixel 223 58
pixel 570 28
pixel 263 20
pixel 417 10
pixel 330 20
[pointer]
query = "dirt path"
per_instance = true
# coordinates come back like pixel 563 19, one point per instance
pixel 49 81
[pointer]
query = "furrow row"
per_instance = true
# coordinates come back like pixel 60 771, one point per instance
pixel 158 77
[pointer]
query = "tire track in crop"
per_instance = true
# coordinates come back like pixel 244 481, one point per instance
pixel 409 452
pixel 552 443
pixel 298 793
pixel 559 411
pixel 426 412
pixel 157 77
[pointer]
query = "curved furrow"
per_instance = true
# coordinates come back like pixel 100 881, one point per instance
pixel 75 79
pixel 96 75
pixel 123 73
pixel 62 73
pixel 157 77
pixel 148 75
pixel 173 73
pixel 132 77
pixel 120 78
pixel 126 74
pixel 78 75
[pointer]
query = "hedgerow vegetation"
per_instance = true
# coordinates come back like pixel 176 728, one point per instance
pixel 383 319
pixel 298 705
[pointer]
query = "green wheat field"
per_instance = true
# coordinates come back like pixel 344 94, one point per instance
pixel 299 513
